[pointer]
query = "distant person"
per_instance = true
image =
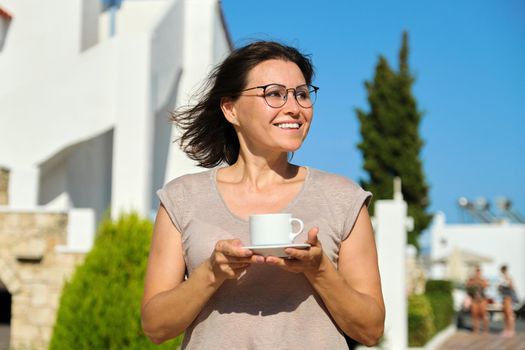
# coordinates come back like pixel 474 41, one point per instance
pixel 508 295
pixel 476 286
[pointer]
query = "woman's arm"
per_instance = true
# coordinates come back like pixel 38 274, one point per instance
pixel 170 303
pixel 351 293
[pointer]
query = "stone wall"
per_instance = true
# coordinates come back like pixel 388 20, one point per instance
pixel 4 181
pixel 34 272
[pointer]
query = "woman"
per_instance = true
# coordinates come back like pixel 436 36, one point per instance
pixel 257 108
pixel 508 295
pixel 476 286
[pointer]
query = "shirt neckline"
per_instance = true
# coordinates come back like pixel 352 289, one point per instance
pixel 287 208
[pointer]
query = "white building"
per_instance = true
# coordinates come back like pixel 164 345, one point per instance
pixel 84 128
pixel 497 243
pixel 84 116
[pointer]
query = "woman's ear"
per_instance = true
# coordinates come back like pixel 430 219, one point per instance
pixel 229 111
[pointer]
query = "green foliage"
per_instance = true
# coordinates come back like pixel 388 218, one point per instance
pixel 390 139
pixel 429 313
pixel 420 320
pixel 439 286
pixel 439 294
pixel 100 306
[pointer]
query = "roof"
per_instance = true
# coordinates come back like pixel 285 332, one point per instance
pixel 468 257
pixel 5 14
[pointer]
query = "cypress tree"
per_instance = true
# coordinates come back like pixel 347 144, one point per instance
pixel 391 144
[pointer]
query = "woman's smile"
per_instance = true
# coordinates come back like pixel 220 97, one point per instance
pixel 288 125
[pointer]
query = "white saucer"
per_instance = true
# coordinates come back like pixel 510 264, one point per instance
pixel 276 250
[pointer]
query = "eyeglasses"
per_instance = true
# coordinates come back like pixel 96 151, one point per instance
pixel 276 95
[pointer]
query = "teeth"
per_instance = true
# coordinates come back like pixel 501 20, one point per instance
pixel 288 125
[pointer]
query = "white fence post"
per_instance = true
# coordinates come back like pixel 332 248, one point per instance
pixel 391 224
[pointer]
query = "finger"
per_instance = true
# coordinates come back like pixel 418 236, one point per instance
pixel 257 259
pixel 254 259
pixel 300 254
pixel 237 264
pixel 284 263
pixel 235 242
pixel 223 259
pixel 232 248
pixel 312 236
pixel 274 260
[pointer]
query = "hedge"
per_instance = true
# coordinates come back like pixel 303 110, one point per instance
pixel 439 294
pixel 420 320
pixel 100 306
pixel 430 313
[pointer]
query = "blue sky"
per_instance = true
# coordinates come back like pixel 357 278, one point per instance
pixel 469 61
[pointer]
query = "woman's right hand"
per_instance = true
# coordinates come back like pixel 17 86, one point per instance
pixel 229 260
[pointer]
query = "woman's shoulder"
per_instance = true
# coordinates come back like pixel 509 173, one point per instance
pixel 332 182
pixel 189 180
pixel 337 188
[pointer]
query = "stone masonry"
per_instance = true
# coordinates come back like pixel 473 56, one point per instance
pixel 4 178
pixel 33 272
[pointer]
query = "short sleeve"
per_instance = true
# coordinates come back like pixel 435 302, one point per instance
pixel 172 197
pixel 357 197
pixel 343 199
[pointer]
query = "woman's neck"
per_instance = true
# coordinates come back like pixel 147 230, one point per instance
pixel 260 172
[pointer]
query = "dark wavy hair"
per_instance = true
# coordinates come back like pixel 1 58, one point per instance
pixel 206 135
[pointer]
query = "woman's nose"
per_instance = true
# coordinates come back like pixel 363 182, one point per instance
pixel 291 101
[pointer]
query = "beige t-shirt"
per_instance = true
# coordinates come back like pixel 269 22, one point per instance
pixel 266 308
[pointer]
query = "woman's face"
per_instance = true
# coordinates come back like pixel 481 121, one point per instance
pixel 262 128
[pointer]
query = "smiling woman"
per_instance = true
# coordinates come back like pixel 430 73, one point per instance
pixel 258 119
pixel 202 279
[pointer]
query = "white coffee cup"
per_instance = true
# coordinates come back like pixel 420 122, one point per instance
pixel 273 229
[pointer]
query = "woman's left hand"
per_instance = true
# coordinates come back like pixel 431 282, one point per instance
pixel 301 260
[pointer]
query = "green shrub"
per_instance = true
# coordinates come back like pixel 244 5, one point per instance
pixel 420 320
pixel 100 306
pixel 439 294
pixel 438 286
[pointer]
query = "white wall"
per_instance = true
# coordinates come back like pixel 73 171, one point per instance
pixel 40 43
pixel 79 176
pixel 89 22
pixel 133 138
pixel 167 66
pixel 45 116
pixel 199 58
pixel 84 85
pixel 134 16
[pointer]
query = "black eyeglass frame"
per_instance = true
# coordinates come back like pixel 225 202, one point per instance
pixel 311 88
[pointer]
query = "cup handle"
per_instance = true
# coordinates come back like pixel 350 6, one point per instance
pixel 301 227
